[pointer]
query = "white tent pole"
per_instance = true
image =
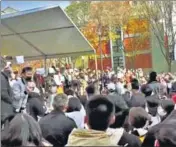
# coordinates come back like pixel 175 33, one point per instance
pixel 45 64
pixel 96 65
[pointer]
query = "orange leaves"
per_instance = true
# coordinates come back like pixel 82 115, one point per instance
pixel 137 35
pixel 136 44
pixel 137 26
pixel 91 33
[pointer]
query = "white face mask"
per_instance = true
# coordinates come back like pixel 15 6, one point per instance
pixel 13 76
pixel 161 111
pixel 36 90
pixel 53 89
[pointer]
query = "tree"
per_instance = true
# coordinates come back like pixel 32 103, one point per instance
pixel 137 40
pixel 79 12
pixel 98 20
pixel 108 16
pixel 160 14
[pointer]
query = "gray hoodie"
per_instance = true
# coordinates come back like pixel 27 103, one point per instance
pixel 20 98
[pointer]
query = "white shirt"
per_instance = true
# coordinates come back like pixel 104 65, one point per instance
pixel 78 117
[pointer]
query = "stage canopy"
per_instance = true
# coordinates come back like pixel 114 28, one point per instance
pixel 42 33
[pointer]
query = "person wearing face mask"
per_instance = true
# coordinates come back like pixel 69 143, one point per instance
pixel 20 89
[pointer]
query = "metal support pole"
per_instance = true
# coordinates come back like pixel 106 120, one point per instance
pixel 123 54
pixel 112 54
pixel 101 52
pixel 96 66
pixel 45 65
pixel 111 49
pixel 96 72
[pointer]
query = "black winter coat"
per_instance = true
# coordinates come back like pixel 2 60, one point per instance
pixel 35 106
pixel 129 140
pixel 150 136
pixel 56 128
pixel 6 98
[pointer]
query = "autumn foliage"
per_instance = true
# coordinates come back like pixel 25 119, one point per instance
pixel 91 32
pixel 110 16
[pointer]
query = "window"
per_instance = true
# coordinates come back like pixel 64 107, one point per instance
pixel 117 44
pixel 118 61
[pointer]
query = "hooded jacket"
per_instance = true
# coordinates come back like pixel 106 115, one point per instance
pixel 83 137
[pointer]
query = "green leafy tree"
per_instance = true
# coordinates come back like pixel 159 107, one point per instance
pixel 161 16
pixel 79 12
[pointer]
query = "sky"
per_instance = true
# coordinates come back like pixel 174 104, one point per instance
pixel 26 5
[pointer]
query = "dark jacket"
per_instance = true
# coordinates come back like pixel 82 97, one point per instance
pixel 152 104
pixel 56 128
pixel 129 140
pixel 150 136
pixel 157 88
pixel 35 106
pixel 6 98
pixel 135 100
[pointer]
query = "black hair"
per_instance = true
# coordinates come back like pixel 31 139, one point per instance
pixel 167 105
pixel 121 110
pixel 146 90
pixel 69 92
pixel 83 100
pixel 75 83
pixel 152 77
pixel 26 69
pixel 99 111
pixel 81 75
pixel 74 104
pixel 135 84
pixel 139 117
pixel 90 89
pixel 22 129
pixel 36 95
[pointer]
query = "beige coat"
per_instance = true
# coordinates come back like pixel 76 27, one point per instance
pixel 83 137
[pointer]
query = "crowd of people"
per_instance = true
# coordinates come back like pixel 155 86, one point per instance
pixel 83 107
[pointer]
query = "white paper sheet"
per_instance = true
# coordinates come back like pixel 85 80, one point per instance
pixel 40 71
pixel 20 59
pixel 57 80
